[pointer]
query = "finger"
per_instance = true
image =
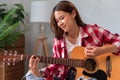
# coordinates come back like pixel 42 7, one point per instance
pixel 31 58
pixel 36 63
pixel 90 47
pixel 31 61
pixel 88 50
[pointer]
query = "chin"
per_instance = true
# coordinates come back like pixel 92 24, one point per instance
pixel 65 30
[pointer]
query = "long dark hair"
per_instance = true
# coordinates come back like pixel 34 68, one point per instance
pixel 68 7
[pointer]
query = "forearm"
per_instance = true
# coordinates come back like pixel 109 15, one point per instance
pixel 110 48
pixel 96 51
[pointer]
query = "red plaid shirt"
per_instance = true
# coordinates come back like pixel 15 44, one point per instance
pixel 91 35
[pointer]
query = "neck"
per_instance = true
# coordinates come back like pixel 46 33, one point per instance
pixel 74 32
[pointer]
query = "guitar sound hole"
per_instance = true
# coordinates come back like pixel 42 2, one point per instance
pixel 90 65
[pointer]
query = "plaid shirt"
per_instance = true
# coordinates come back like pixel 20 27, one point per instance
pixel 92 35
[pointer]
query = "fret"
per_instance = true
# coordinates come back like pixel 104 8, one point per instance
pixel 41 59
pixel 57 60
pixel 62 61
pixel 66 61
pixel 50 60
pixel 47 60
pixel 73 63
pixel 53 60
pixel 69 62
pixel 78 62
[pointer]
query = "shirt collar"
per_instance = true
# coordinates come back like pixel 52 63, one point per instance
pixel 83 33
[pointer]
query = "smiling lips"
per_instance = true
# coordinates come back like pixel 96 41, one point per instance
pixel 63 26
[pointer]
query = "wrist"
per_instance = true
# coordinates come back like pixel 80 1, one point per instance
pixel 38 74
pixel 103 50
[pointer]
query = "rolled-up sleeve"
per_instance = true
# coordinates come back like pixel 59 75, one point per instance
pixel 117 42
pixel 30 76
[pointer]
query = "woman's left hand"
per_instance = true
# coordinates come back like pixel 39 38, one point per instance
pixel 33 65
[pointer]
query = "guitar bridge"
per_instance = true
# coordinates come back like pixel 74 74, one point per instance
pixel 108 66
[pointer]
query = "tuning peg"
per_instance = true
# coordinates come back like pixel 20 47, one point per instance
pixel 9 59
pixel 4 59
pixel 14 60
pixel 13 64
pixel 15 53
pixel 8 63
pixel 5 52
pixel 10 53
pixel 3 63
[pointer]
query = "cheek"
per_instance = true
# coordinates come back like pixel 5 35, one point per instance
pixel 58 24
pixel 63 21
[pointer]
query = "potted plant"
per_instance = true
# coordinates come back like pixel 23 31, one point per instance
pixel 10 20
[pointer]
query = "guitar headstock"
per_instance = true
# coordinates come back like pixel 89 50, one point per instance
pixel 10 57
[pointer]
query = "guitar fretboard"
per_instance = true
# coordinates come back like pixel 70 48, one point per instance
pixel 61 61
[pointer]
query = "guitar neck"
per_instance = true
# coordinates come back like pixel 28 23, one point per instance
pixel 60 61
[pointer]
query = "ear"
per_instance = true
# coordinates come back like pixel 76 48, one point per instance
pixel 74 13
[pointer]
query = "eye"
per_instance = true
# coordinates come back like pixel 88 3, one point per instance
pixel 61 17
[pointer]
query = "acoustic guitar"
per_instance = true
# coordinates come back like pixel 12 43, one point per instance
pixel 108 63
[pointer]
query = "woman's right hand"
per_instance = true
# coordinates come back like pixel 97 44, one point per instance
pixel 33 65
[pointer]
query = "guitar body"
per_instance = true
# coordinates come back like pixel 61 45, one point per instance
pixel 78 53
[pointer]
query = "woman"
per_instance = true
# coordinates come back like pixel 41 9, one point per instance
pixel 71 31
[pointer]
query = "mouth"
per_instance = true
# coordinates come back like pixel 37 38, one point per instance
pixel 63 27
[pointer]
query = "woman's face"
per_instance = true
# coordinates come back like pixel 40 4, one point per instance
pixel 64 20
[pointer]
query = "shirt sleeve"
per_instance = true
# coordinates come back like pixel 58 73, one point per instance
pixel 110 38
pixel 30 76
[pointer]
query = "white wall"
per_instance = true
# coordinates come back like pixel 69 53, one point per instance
pixel 105 13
